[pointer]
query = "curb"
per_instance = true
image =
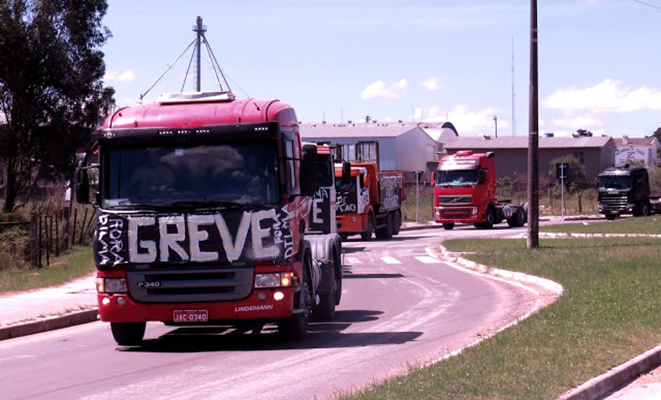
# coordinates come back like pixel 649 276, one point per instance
pixel 615 379
pixel 598 387
pixel 49 324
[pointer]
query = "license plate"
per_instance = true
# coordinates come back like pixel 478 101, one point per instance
pixel 191 316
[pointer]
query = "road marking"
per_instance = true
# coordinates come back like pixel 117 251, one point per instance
pixel 352 260
pixel 429 260
pixel 390 260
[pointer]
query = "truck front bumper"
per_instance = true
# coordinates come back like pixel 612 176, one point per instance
pixel 262 304
pixel 352 223
pixel 449 215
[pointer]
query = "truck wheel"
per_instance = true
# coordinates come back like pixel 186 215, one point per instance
pixel 489 219
pixel 296 327
pixel 518 219
pixel 128 333
pixel 645 210
pixel 367 235
pixel 398 222
pixel 386 232
pixel 325 310
pixel 448 227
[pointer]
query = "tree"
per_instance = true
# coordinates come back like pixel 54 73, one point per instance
pixel 657 134
pixel 575 171
pixel 51 88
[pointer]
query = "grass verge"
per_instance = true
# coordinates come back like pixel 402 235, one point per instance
pixel 608 314
pixel 75 264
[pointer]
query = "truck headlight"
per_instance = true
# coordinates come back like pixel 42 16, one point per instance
pixel 111 285
pixel 279 279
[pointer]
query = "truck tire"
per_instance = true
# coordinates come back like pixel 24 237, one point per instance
pixel 295 328
pixel 645 210
pixel 128 333
pixel 449 226
pixel 518 219
pixel 387 231
pixel 398 222
pixel 326 248
pixel 489 219
pixel 367 235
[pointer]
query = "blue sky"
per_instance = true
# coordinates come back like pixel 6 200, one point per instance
pixel 458 61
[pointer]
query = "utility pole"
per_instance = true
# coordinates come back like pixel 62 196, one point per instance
pixel 533 137
pixel 199 29
pixel 495 121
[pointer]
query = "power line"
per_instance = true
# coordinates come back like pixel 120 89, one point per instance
pixel 648 4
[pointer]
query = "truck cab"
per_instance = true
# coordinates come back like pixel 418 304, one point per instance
pixel 201 206
pixel 624 190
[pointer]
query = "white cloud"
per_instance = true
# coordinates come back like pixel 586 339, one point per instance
pixel 467 122
pixel 380 89
pixel 607 96
pixel 579 123
pixel 432 84
pixel 124 76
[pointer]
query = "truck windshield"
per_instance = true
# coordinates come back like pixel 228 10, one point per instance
pixel 614 182
pixel 213 175
pixel 457 177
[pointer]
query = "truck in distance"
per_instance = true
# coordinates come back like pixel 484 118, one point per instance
pixel 625 190
pixel 466 191
pixel 370 203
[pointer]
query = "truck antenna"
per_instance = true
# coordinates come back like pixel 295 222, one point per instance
pixel 199 41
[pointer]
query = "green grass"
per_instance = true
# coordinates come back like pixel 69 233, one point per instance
pixel 75 264
pixel 644 225
pixel 608 314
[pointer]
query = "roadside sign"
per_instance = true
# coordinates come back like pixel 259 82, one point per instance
pixel 561 170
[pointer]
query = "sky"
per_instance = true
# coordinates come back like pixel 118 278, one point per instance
pixel 463 61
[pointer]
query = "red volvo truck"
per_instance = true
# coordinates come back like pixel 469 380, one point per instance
pixel 466 191
pixel 370 203
pixel 201 208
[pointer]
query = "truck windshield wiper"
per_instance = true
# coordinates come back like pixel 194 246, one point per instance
pixel 136 207
pixel 200 204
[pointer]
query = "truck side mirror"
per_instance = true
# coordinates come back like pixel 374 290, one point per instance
pixel 482 176
pixel 366 181
pixel 346 173
pixel 432 181
pixel 82 186
pixel 308 173
pixel 81 182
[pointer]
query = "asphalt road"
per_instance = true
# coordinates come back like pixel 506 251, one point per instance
pixel 402 305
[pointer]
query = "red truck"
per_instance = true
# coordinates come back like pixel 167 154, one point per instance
pixel 466 191
pixel 370 203
pixel 322 234
pixel 201 207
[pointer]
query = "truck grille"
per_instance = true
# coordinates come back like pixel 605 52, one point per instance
pixel 456 213
pixel 455 200
pixel 190 284
pixel 613 203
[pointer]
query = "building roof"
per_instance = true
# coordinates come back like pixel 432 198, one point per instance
pixel 645 141
pixel 521 142
pixel 355 130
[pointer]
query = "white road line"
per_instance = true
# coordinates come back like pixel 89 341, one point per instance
pixel 429 260
pixel 352 260
pixel 390 260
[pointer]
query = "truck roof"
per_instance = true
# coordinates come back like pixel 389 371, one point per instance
pixel 193 110
pixel 620 171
